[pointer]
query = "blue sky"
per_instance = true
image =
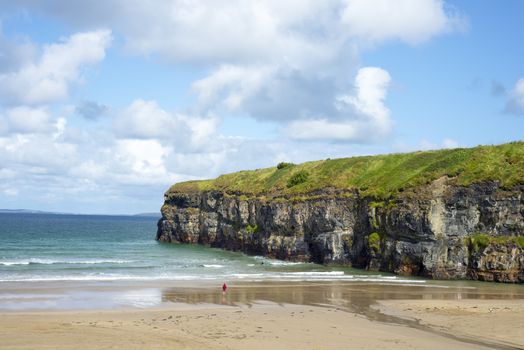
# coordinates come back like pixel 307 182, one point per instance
pixel 104 105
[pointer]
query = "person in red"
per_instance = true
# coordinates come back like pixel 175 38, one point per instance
pixel 224 290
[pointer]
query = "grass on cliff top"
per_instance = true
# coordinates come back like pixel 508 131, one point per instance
pixel 380 176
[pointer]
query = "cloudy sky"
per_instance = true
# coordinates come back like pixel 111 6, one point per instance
pixel 104 104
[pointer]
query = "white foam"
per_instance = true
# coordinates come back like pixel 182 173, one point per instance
pixel 101 278
pixel 246 275
pixel 314 273
pixel 303 276
pixel 276 262
pixel 214 266
pixel 37 261
pixel 10 263
pixel 283 263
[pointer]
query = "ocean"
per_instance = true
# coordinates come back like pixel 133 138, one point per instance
pixel 48 247
pixel 88 261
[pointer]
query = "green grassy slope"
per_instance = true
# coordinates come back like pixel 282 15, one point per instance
pixel 381 176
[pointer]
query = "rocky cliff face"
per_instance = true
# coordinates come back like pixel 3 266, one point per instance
pixel 438 230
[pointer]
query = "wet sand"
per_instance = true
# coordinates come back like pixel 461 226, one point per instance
pixel 264 315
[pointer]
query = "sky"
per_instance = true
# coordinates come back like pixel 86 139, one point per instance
pixel 105 104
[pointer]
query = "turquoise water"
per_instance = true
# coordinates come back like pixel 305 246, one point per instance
pixel 45 248
pixel 97 262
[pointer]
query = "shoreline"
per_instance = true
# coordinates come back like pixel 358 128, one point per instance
pixel 275 315
pixel 353 296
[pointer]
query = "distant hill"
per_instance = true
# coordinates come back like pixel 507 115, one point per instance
pixel 31 211
pixel 26 211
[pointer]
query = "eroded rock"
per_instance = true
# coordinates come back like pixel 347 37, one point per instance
pixel 423 231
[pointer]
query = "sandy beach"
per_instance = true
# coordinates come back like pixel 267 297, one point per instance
pixel 498 321
pixel 266 326
pixel 242 323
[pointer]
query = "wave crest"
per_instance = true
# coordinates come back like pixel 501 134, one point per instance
pixel 37 261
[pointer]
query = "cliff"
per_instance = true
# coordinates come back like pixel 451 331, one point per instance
pixel 449 214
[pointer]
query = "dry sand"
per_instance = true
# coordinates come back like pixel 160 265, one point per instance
pixel 497 321
pixel 261 326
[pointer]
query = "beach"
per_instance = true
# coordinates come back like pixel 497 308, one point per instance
pixel 262 326
pixel 498 321
pixel 103 283
pixel 261 175
pixel 281 316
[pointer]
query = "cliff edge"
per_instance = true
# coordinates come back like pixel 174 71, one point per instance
pixel 447 214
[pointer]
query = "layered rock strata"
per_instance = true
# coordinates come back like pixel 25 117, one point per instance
pixel 439 230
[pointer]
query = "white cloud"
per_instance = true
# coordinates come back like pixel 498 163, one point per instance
pixel 323 129
pixel 96 170
pixel 411 21
pixel 60 127
pixel 312 50
pixel 450 143
pixel 231 84
pixel 365 115
pixel 89 169
pixel 102 160
pixel 7 173
pixel 15 53
pixel 47 78
pixel 3 125
pixel 37 150
pixel 371 87
pixel 268 92
pixel 143 161
pixel 24 119
pixel 10 192
pixel 426 145
pixel 288 62
pixel 201 129
pixel 249 31
pixel 204 31
pixel 266 59
pixel 515 103
pixel 145 119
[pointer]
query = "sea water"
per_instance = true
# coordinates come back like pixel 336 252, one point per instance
pixel 49 247
pixel 86 262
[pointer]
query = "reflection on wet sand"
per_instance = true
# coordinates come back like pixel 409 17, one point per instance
pixel 455 306
pixel 350 296
pixel 356 298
